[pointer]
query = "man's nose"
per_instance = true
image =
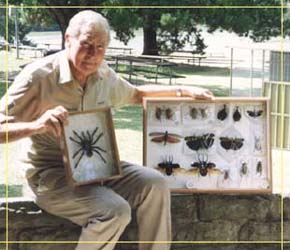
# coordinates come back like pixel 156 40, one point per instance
pixel 92 51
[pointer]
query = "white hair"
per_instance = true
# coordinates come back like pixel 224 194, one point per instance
pixel 91 19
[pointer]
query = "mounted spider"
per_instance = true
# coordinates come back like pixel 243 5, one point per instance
pixel 168 165
pixel 203 165
pixel 87 145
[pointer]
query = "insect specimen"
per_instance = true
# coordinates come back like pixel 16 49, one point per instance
pixel 165 137
pixel 237 115
pixel 203 165
pixel 203 113
pixel 158 113
pixel 193 113
pixel 226 175
pixel 204 141
pixel 87 143
pixel 255 113
pixel 168 165
pixel 222 114
pixel 258 146
pixel 167 112
pixel 231 143
pixel 244 169
pixel 259 168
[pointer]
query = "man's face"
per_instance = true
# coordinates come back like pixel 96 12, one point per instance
pixel 86 52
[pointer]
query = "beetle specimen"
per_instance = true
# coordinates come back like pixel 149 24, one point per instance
pixel 258 146
pixel 167 112
pixel 193 113
pixel 259 168
pixel 237 115
pixel 244 169
pixel 203 165
pixel 255 113
pixel 158 113
pixel 87 143
pixel 231 143
pixel 168 165
pixel 226 175
pixel 204 141
pixel 222 114
pixel 165 137
pixel 203 112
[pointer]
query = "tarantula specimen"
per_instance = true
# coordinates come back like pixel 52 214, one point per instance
pixel 87 145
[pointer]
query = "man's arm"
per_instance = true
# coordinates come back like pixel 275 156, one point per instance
pixel 172 91
pixel 51 121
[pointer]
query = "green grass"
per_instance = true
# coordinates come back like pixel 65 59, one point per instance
pixel 129 117
pixel 183 69
pixel 201 70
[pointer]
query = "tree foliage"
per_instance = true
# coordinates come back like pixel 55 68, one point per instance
pixel 168 29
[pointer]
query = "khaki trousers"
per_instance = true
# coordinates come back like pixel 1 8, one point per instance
pixel 105 211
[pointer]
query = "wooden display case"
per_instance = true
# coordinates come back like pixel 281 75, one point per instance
pixel 209 146
pixel 89 148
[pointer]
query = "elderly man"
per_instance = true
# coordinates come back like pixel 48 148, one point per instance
pixel 79 79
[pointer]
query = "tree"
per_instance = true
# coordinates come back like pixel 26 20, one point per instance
pixel 169 29
pixel 23 29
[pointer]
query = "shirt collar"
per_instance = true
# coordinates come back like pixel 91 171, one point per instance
pixel 65 74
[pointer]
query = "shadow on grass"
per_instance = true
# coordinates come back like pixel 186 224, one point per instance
pixel 185 69
pixel 13 191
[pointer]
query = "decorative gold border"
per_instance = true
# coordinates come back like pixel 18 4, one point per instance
pixel 281 7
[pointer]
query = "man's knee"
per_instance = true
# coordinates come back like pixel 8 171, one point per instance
pixel 157 182
pixel 122 213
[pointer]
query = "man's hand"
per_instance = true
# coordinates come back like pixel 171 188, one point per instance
pixel 171 91
pixel 52 120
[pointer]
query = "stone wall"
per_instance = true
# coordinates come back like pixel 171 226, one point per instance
pixel 251 220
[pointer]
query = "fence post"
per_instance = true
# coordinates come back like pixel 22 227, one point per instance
pixel 231 73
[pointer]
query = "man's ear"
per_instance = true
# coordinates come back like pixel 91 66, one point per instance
pixel 67 40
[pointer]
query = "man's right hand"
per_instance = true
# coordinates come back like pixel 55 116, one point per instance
pixel 51 121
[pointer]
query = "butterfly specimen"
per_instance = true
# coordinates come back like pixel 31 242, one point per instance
pixel 231 143
pixel 204 141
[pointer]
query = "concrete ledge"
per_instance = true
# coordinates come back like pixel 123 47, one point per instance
pixel 195 218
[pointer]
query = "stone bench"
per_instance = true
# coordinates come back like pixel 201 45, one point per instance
pixel 254 218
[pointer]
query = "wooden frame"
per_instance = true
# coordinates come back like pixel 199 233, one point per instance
pixel 99 161
pixel 198 149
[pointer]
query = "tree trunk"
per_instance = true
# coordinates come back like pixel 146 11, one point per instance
pixel 150 41
pixel 150 33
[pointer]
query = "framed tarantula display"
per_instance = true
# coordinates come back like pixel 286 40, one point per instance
pixel 209 146
pixel 89 148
